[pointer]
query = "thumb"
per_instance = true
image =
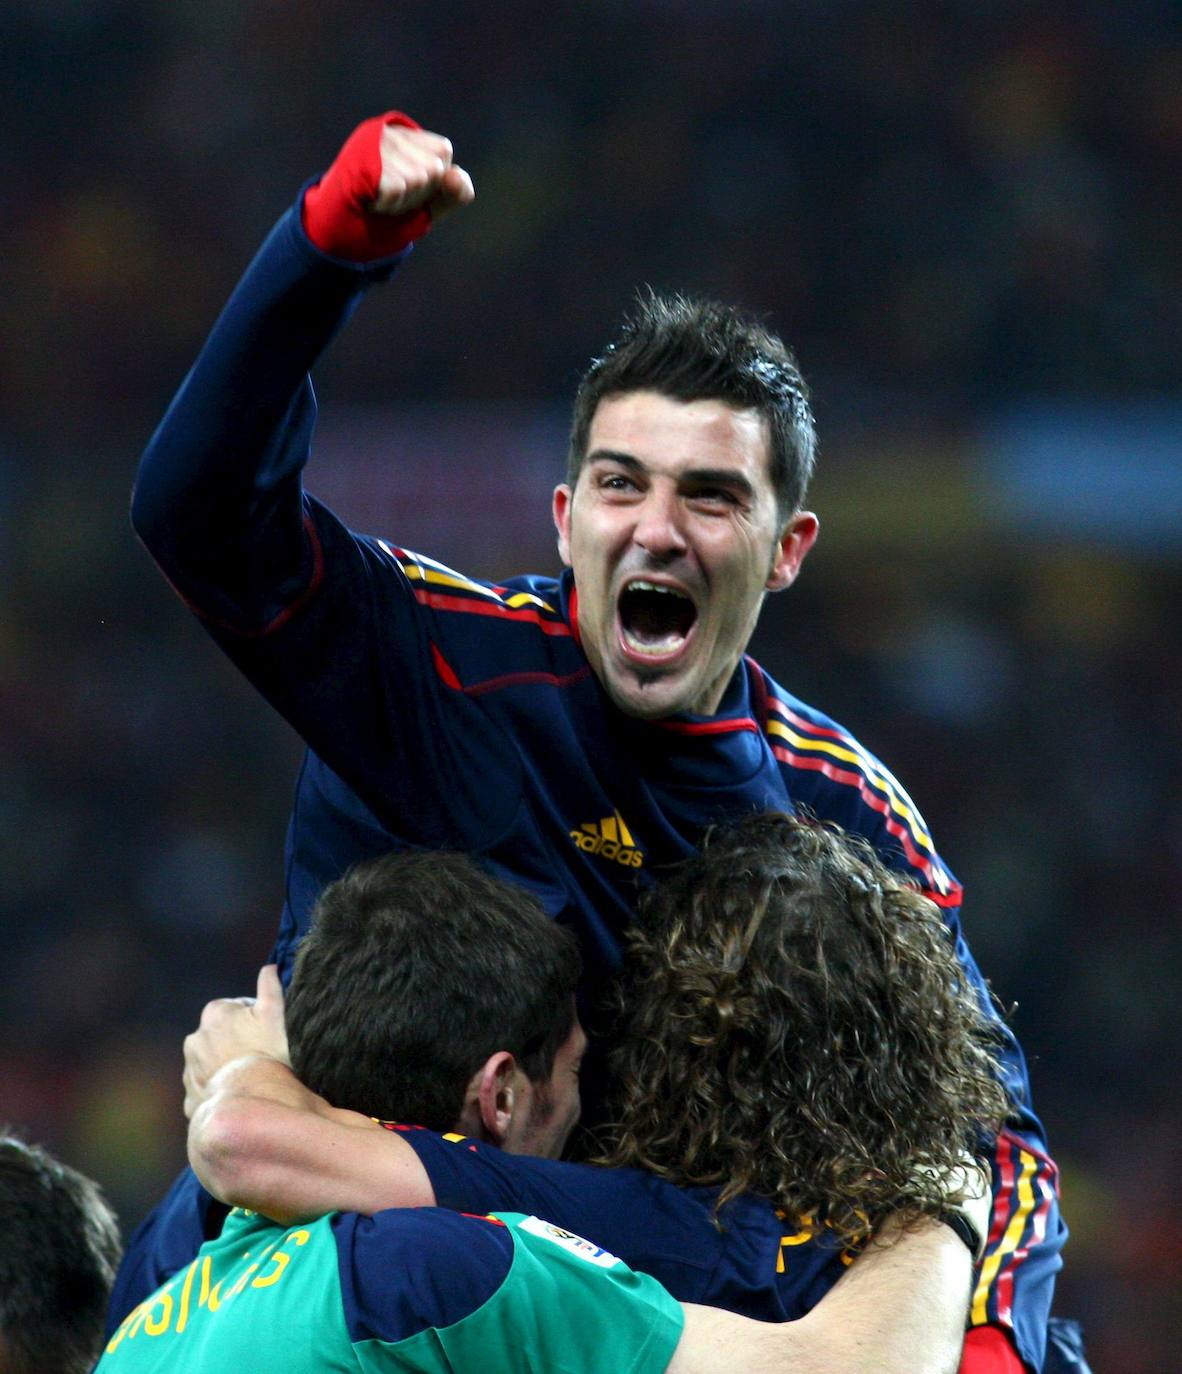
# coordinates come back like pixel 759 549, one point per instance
pixel 269 991
pixel 455 190
pixel 269 1009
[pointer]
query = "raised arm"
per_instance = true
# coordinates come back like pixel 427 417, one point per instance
pixel 218 498
pixel 322 620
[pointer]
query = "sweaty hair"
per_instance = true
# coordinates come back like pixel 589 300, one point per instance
pixel 417 967
pixel 796 1025
pixel 59 1249
pixel 695 350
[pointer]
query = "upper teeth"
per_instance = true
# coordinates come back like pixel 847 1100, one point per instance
pixel 641 586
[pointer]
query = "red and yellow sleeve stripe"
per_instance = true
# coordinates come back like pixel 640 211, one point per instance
pixel 802 743
pixel 443 589
pixel 1025 1192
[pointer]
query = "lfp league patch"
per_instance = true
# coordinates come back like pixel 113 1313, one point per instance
pixel 576 1245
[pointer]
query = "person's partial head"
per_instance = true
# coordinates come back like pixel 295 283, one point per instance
pixel 59 1249
pixel 691 450
pixel 797 1026
pixel 429 992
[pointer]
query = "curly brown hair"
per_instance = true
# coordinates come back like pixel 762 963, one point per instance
pixel 796 1025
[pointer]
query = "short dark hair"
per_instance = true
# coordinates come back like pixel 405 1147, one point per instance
pixel 694 350
pixel 796 1025
pixel 417 967
pixel 59 1250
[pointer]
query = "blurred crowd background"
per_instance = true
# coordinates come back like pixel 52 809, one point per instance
pixel 965 218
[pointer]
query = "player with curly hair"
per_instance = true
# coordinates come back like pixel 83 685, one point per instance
pixel 795 1025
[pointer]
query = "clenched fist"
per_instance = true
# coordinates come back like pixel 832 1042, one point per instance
pixel 388 184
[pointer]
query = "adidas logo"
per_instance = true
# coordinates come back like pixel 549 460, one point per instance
pixel 611 839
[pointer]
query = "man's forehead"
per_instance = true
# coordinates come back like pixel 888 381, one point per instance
pixel 656 430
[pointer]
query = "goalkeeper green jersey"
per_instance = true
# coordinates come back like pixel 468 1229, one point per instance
pixel 423 1289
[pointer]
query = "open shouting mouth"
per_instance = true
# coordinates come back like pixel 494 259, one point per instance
pixel 656 620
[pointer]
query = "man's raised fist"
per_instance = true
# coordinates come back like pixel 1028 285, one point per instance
pixel 388 184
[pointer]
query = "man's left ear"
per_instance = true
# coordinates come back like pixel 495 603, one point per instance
pixel 799 535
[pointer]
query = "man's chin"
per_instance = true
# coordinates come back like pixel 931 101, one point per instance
pixel 650 696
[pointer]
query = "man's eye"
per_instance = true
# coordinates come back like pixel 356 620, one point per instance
pixel 614 481
pixel 715 496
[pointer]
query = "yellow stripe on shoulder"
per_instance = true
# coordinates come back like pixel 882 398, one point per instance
pixel 440 578
pixel 528 599
pixel 900 803
pixel 426 570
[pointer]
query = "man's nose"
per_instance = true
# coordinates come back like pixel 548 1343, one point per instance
pixel 659 524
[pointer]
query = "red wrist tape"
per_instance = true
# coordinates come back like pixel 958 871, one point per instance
pixel 987 1351
pixel 336 214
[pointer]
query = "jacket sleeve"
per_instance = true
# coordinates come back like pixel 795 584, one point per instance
pixel 218 496
pixel 323 621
